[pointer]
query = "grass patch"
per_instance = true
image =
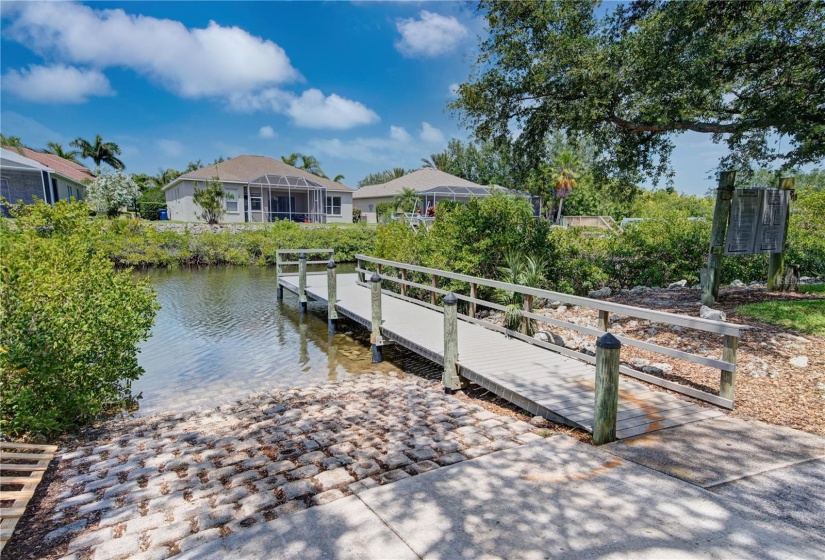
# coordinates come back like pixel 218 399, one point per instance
pixel 806 316
pixel 812 288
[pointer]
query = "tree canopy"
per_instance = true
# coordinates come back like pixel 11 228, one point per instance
pixel 750 74
pixel 99 152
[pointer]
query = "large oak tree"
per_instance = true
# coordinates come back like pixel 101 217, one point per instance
pixel 631 78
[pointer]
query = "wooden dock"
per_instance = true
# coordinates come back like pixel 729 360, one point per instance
pixel 541 381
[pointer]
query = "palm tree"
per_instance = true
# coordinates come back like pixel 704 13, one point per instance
pixel 339 178
pixel 394 173
pixel 99 151
pixel 164 177
pixel 526 271
pixel 407 200
pixel 438 161
pixel 310 164
pixel 57 149
pixel 10 141
pixel 564 176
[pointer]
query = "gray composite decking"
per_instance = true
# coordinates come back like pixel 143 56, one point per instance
pixel 540 381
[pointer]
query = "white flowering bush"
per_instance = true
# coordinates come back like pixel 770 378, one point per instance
pixel 111 191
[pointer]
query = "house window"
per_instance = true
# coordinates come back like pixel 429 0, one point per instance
pixel 333 206
pixel 255 203
pixel 5 192
pixel 230 201
pixel 369 208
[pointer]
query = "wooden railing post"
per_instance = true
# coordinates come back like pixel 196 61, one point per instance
pixel 728 377
pixel 404 278
pixel 280 290
pixel 608 348
pixel 604 317
pixel 450 377
pixel 302 281
pixel 375 337
pixel 474 295
pixel 332 295
pixel 435 285
pixel 525 321
pixel 359 266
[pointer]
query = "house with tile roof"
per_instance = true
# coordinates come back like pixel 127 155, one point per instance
pixel 432 185
pixel 26 174
pixel 262 189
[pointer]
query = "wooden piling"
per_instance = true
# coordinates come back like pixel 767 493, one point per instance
pixel 608 348
pixel 721 213
pixel 332 295
pixel 604 320
pixel 302 281
pixel 375 337
pixel 450 377
pixel 279 289
pixel 728 378
pixel 776 261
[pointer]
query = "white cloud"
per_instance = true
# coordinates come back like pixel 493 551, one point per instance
pixel 432 35
pixel 56 84
pixel 171 148
pixel 400 134
pixel 312 109
pixel 430 134
pixel 198 62
pixel 392 150
pixel 453 90
pixel 266 132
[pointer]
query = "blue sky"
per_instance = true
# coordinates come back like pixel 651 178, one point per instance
pixel 363 86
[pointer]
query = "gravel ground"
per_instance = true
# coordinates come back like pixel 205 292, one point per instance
pixel 151 487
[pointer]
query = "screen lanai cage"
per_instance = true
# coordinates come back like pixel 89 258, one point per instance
pixel 433 196
pixel 281 197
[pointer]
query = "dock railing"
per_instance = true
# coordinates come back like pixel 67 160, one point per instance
pixel 282 262
pixel 411 280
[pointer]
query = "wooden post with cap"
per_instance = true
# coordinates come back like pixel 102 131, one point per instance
pixel 608 348
pixel 375 338
pixel 302 281
pixel 450 377
pixel 332 295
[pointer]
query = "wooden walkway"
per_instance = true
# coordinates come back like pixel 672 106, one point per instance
pixel 540 381
pixel 21 467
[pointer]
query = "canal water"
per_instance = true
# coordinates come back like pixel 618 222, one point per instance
pixel 221 334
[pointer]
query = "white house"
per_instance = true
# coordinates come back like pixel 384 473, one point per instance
pixel 432 186
pixel 26 174
pixel 262 189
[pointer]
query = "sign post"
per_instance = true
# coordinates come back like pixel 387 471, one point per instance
pixel 724 194
pixel 776 265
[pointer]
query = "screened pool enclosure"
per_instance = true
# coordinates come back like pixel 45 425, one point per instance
pixel 433 196
pixel 280 197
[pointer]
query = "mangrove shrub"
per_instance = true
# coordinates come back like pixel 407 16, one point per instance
pixel 70 323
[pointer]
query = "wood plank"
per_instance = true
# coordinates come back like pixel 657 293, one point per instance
pixel 12 512
pixel 18 479
pixel 40 466
pixel 16 494
pixel 11 445
pixel 24 456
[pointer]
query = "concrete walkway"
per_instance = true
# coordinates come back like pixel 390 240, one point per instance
pixel 555 498
pixel 765 468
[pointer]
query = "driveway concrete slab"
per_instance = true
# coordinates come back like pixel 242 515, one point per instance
pixel 714 451
pixel 794 494
pixel 559 498
pixel 342 529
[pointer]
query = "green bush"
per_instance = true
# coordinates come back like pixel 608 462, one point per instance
pixel 69 322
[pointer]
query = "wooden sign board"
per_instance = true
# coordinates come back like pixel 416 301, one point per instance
pixel 757 221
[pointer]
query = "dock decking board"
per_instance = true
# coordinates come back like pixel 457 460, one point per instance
pixel 543 382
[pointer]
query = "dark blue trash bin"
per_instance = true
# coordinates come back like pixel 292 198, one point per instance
pixel 162 214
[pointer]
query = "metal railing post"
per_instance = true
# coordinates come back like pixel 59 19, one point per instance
pixel 302 281
pixel 608 348
pixel 450 377
pixel 375 337
pixel 332 295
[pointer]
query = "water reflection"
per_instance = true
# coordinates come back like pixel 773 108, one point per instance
pixel 221 334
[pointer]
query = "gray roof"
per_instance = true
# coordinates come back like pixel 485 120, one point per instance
pixel 248 168
pixel 420 181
